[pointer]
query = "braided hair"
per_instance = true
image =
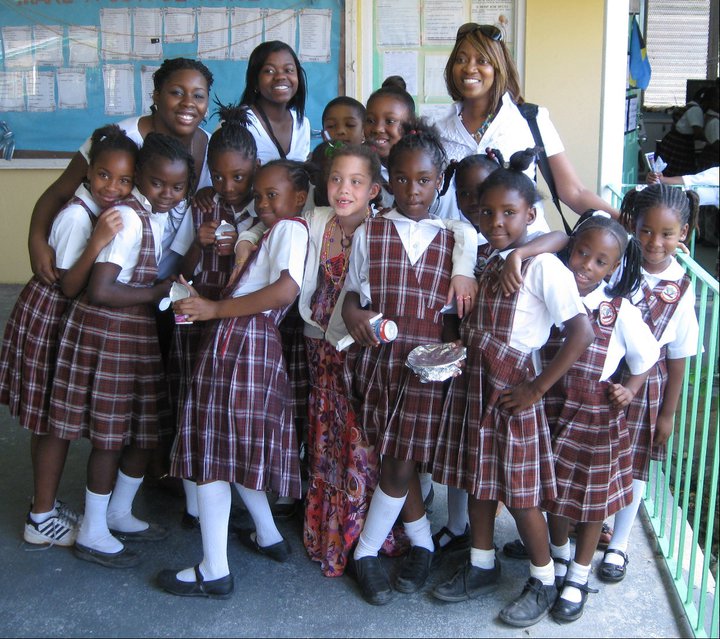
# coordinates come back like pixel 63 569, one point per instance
pixel 110 138
pixel 685 204
pixel 419 135
pixel 233 134
pixel 454 168
pixel 165 146
pixel 512 176
pixel 297 173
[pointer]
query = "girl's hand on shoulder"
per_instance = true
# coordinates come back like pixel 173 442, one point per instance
pixel 517 399
pixel 226 244
pixel 511 275
pixel 42 260
pixel 196 308
pixel 109 224
pixel 358 325
pixel 203 200
pixel 620 396
pixel 463 290
pixel 205 235
pixel 663 430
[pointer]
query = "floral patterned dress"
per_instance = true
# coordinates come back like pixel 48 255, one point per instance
pixel 344 468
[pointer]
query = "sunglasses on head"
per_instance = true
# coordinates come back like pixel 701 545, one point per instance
pixel 488 30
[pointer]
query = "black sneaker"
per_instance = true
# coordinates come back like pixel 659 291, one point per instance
pixel 414 570
pixel 374 584
pixel 468 583
pixel 531 606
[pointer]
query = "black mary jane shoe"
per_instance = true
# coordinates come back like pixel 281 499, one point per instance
pixel 216 589
pixel 565 611
pixel 560 581
pixel 612 573
pixel 279 551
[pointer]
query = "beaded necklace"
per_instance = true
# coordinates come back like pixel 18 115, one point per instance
pixel 477 136
pixel 328 239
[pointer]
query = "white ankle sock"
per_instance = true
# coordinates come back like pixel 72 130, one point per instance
pixel 579 574
pixel 546 574
pixel 94 532
pixel 214 501
pixel 383 512
pixel 425 484
pixel 191 500
pixel 622 526
pixel 119 513
pixel 457 502
pixel 39 518
pixel 419 533
pixel 256 502
pixel 482 558
pixel 560 552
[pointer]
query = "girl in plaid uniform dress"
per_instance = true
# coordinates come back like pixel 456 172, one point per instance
pixel 494 440
pixel 232 159
pixel 236 424
pixel 661 217
pixel 29 348
pixel 400 266
pixel 585 409
pixel 109 384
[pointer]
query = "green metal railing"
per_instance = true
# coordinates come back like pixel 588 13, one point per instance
pixel 681 499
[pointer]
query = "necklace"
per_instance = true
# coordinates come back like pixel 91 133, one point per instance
pixel 328 239
pixel 477 136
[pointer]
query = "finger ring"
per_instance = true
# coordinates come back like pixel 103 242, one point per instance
pixel 466 297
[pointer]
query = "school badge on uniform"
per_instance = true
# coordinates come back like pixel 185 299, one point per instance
pixel 606 314
pixel 671 293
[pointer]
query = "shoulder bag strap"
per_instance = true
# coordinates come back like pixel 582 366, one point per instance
pixel 269 129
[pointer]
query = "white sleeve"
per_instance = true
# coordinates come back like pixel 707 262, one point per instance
pixel 303 142
pixel 287 249
pixel 124 249
pixel 253 234
pixel 685 342
pixel 708 176
pixel 464 254
pixel 636 338
pixel 185 234
pixel 84 150
pixel 69 235
pixel 551 138
pixel 357 279
pixel 556 285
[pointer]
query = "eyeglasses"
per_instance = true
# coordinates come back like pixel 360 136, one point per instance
pixel 488 30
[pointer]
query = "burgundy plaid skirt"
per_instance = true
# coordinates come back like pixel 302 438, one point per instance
pixel 489 452
pixel 109 382
pixel 29 353
pixel 236 421
pixel 591 445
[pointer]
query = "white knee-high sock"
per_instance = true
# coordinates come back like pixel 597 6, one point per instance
pixel 624 520
pixel 119 513
pixel 214 501
pixel 256 502
pixel 458 518
pixel 419 533
pixel 94 532
pixel 383 512
pixel 191 499
pixel 425 484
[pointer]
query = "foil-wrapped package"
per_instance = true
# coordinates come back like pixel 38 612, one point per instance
pixel 436 362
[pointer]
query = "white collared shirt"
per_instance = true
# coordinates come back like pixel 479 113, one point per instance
pixel 266 149
pixel 72 228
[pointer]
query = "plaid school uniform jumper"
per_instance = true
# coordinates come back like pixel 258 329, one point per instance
pixel 236 423
pixel 642 412
pixel 487 451
pixel 29 350
pixel 591 444
pixel 109 384
pixel 400 414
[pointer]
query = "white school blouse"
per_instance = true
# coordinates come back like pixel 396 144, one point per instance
pixel 71 229
pixel 681 333
pixel 266 149
pixel 283 248
pixel 124 249
pixel 415 237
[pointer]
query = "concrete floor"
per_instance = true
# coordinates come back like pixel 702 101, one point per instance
pixel 49 593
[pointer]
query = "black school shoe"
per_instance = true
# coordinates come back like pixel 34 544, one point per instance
pixel 414 570
pixel 565 611
pixel 468 583
pixel 612 573
pixel 457 543
pixel 531 606
pixel 372 579
pixel 216 589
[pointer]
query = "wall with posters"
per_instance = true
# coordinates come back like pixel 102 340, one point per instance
pixel 73 65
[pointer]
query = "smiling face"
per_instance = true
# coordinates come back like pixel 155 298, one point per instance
pixel 595 254
pixel 659 231
pixel 503 217
pixel 110 177
pixel 343 122
pixel 467 190
pixel 181 103
pixel 231 174
pixel 413 181
pixel 163 182
pixel 383 123
pixel 276 197
pixel 472 73
pixel 350 187
pixel 278 78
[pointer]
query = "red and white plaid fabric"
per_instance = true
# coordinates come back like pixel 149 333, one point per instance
pixel 400 414
pixel 109 384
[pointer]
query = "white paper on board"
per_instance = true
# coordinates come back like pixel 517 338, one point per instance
pixel 441 19
pixel 405 64
pixel 40 90
pixel 118 80
pixel 280 25
pixel 72 89
pixel 434 76
pixel 315 31
pixel 12 91
pixel 499 13
pixel 398 23
pixel 179 25
pixel 18 46
pixel 147 34
pixel 246 32
pixel 47 43
pixel 83 43
pixel 146 86
pixel 115 34
pixel 213 41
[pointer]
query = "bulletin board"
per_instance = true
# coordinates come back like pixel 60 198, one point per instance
pixel 413 39
pixel 70 66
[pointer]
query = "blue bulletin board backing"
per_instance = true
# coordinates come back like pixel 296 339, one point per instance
pixel 46 47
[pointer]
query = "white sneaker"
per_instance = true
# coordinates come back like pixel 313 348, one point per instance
pixel 56 531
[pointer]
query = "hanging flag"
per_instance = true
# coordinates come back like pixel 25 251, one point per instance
pixel 639 65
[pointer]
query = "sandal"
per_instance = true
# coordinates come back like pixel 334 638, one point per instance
pixel 605 535
pixel 612 573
